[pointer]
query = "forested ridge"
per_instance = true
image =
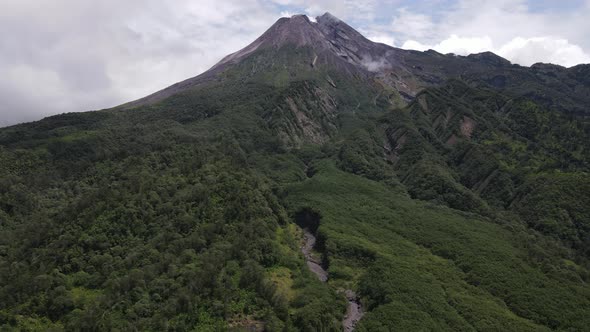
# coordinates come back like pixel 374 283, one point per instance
pixel 465 208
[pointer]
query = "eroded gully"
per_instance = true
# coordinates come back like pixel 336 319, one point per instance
pixel 354 311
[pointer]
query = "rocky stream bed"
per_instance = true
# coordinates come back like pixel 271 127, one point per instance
pixel 354 312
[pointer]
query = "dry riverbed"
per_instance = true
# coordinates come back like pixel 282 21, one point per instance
pixel 354 312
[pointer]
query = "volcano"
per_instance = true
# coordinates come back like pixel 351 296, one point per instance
pixel 312 181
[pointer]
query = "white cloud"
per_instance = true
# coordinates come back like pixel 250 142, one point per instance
pixel 379 35
pixel 286 14
pixel 523 51
pixel 74 55
pixel 344 9
pixel 527 51
pixel 413 25
pixel 506 27
pixel 415 45
pixel 382 38
pixel 374 65
pixel 454 44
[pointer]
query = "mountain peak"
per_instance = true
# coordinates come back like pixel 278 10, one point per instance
pixel 295 19
pixel 332 41
pixel 489 58
pixel 297 30
pixel 328 17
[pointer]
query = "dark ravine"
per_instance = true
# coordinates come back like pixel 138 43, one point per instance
pixel 354 311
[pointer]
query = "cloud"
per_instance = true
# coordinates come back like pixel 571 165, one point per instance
pixel 513 29
pixel 523 51
pixel 408 24
pixel 348 10
pixel 75 55
pixel 527 51
pixel 454 44
pixel 381 38
pixel 374 65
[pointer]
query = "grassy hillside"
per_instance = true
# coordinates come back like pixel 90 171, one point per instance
pixel 422 266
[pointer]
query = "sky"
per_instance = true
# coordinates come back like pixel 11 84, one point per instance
pixel 59 56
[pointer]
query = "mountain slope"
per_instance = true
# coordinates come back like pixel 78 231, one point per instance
pixel 444 190
pixel 334 44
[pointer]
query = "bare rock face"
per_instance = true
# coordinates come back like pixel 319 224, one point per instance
pixel 334 43
pixel 297 30
pixel 328 33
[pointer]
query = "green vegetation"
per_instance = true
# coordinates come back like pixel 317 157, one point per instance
pixel 423 266
pixel 468 209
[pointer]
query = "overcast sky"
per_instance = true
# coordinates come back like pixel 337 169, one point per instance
pixel 61 56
